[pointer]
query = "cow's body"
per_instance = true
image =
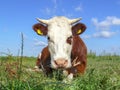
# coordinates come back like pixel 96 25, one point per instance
pixel 65 49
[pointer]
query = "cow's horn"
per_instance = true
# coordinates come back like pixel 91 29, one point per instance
pixel 43 21
pixel 72 21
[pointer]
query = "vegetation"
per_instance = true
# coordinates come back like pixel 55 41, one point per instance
pixel 103 73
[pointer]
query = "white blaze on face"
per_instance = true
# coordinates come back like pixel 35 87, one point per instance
pixel 59 30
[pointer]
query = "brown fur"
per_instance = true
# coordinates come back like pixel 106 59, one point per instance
pixel 79 51
pixel 44 61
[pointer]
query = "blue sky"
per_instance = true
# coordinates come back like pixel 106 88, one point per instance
pixel 102 18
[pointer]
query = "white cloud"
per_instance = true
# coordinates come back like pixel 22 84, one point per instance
pixel 39 43
pixel 71 14
pixel 47 10
pixel 78 8
pixel 54 10
pixel 104 34
pixel 116 21
pixel 104 27
pixel 55 4
pixel 107 23
pixel 86 36
pixel 50 10
pixel 100 34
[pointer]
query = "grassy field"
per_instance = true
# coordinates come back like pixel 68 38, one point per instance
pixel 103 73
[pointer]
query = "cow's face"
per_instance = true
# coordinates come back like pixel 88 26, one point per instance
pixel 60 32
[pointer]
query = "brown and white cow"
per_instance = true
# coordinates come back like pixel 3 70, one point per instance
pixel 65 49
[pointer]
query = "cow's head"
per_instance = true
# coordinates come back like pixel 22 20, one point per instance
pixel 60 32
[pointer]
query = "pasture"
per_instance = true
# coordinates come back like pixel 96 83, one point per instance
pixel 103 73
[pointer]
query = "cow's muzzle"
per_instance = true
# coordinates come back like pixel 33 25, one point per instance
pixel 61 63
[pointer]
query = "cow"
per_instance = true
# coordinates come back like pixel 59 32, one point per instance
pixel 65 50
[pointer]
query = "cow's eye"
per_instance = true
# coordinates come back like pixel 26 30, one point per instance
pixel 69 39
pixel 48 38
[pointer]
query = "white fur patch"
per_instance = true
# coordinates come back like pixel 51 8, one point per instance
pixel 70 76
pixel 65 72
pixel 59 30
pixel 39 56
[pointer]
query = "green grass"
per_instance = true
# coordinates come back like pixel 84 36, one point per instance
pixel 103 73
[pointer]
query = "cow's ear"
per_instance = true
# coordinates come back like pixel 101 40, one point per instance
pixel 40 29
pixel 78 28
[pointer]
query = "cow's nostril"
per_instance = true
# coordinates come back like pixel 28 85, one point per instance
pixel 66 62
pixel 55 62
